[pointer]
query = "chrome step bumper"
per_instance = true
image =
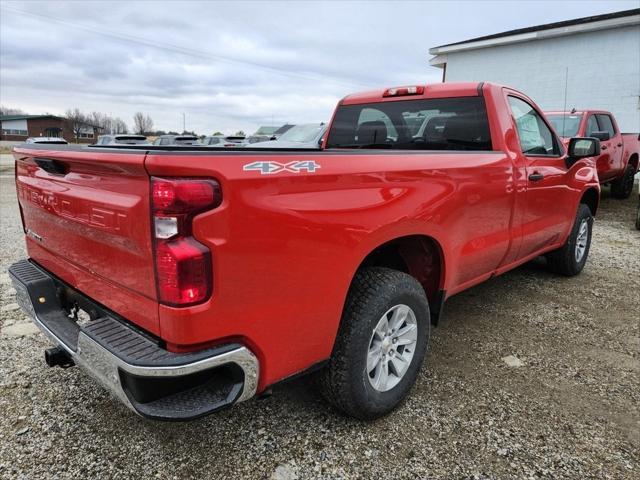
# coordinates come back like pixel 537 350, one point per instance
pixel 150 380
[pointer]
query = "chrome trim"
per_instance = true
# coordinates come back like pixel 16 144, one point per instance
pixel 103 365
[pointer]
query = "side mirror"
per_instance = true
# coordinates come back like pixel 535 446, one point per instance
pixel 582 148
pixel 602 136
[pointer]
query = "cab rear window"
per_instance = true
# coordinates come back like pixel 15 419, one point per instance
pixel 459 123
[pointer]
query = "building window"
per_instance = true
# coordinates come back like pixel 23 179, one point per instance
pixel 52 132
pixel 86 135
pixel 22 133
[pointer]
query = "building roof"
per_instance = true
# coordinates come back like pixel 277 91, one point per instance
pixel 27 117
pixel 567 27
pixel 6 118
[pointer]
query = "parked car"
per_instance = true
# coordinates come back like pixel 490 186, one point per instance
pixel 176 140
pixel 301 136
pixel 47 140
pixel 618 161
pixel 251 139
pixel 281 131
pixel 223 141
pixel 122 139
pixel 209 276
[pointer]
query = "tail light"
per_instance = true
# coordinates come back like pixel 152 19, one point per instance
pixel 183 265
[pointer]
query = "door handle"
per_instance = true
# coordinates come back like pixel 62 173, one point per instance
pixel 52 166
pixel 619 145
pixel 603 147
pixel 535 177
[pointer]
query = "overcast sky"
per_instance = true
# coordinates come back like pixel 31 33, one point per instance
pixel 237 65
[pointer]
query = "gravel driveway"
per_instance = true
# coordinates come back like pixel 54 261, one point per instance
pixel 570 409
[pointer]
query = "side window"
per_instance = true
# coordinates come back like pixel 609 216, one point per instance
pixel 592 126
pixel 606 124
pixel 535 136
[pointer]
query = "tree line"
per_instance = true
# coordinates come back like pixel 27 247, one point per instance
pixel 142 124
pixel 106 124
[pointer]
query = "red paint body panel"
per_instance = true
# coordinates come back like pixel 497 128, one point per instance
pixel 616 153
pixel 286 246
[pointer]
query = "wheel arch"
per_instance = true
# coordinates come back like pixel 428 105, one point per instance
pixel 418 255
pixel 591 198
pixel 633 161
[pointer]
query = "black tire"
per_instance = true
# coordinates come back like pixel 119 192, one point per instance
pixel 638 218
pixel 344 382
pixel 563 260
pixel 622 187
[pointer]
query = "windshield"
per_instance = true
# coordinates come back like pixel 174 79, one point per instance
pixel 566 125
pixel 302 133
pixel 438 124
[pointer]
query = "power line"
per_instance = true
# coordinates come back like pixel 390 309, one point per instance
pixel 181 50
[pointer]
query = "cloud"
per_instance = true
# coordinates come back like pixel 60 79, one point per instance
pixel 235 65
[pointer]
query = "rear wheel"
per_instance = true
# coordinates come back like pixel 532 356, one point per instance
pixel 623 186
pixel 380 345
pixel 570 259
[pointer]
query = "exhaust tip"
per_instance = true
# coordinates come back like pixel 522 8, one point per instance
pixel 58 357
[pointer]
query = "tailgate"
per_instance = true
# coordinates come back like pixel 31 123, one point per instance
pixel 87 219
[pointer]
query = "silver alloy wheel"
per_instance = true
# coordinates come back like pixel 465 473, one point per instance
pixel 391 347
pixel 581 240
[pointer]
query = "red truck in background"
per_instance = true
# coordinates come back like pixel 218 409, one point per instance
pixel 617 163
pixel 186 279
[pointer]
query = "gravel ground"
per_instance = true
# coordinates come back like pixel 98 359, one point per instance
pixel 569 408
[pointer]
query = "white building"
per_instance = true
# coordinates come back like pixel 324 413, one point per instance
pixel 597 58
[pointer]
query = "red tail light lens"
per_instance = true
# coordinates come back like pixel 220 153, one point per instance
pixel 185 196
pixel 184 271
pixel 183 265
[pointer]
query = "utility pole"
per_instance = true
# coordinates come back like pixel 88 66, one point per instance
pixel 184 122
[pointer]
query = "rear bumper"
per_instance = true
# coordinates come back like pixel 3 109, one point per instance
pixel 150 380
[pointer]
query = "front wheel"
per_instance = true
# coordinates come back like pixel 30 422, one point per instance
pixel 623 186
pixel 381 343
pixel 570 259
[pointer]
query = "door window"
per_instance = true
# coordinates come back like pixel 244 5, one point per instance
pixel 592 126
pixel 606 124
pixel 536 138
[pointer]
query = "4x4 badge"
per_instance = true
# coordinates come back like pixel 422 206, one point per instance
pixel 268 168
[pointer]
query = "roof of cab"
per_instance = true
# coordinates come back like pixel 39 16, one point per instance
pixel 434 90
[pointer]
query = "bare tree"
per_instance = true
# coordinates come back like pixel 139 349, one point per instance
pixel 107 123
pixel 142 123
pixel 10 111
pixel 77 120
pixel 119 126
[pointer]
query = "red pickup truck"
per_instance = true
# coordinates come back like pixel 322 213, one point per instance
pixel 186 279
pixel 618 160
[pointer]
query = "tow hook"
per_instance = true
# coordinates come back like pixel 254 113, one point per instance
pixel 58 356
